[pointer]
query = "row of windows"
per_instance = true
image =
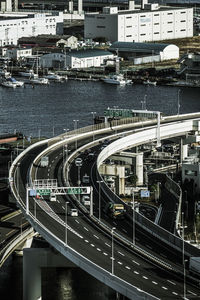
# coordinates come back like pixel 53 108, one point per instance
pixel 169 31
pixel 50 20
pixel 157 15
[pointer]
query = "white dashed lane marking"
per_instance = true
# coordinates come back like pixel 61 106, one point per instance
pixel 171 282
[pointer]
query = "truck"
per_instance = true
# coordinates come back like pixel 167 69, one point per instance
pixel 194 266
pixel 44 161
pixel 115 210
pixel 86 200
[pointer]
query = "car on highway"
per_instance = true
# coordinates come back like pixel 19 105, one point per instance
pixel 74 212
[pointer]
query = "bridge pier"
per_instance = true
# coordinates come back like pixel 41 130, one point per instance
pixel 33 260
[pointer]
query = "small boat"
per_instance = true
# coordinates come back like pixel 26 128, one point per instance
pixel 38 81
pixel 55 77
pixel 9 82
pixel 148 82
pixel 29 73
pixel 117 79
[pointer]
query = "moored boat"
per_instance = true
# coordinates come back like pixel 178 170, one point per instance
pixel 38 81
pixel 29 73
pixel 148 82
pixel 117 79
pixel 55 77
pixel 9 82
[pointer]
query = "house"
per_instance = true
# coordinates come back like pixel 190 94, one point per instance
pixel 16 53
pixel 49 41
pixel 151 23
pixel 145 52
pixel 77 59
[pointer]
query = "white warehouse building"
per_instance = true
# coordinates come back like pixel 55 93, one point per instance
pixel 153 23
pixel 145 52
pixel 14 26
pixel 77 59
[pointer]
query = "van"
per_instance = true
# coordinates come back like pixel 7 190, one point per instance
pixel 86 200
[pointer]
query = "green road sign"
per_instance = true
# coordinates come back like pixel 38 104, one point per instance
pixel 43 192
pixel 76 190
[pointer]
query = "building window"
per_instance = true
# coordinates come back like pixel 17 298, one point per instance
pixel 143 25
pixel 170 31
pixel 169 22
pixel 183 21
pixel 183 30
pixel 156 23
pixel 101 26
pixel 128 26
pixel 156 32
pixel 183 12
pixel 101 18
pixel 156 15
pixel 142 34
pixel 128 17
pixel 129 35
pixel 169 14
pixel 143 16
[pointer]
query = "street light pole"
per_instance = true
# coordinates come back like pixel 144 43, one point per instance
pixel 112 231
pixel 133 198
pixel 93 113
pixel 75 129
pixel 66 241
pixel 184 281
pixel 99 182
pixel 179 91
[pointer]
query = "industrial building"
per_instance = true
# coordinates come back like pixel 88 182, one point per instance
pixel 190 67
pixel 16 25
pixel 151 23
pixel 145 52
pixel 49 41
pixel 77 59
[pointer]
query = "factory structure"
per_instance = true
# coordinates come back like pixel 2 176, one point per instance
pixel 149 23
pixel 16 25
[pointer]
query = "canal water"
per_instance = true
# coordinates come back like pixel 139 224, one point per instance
pixel 47 111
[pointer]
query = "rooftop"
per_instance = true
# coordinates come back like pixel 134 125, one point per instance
pixel 124 46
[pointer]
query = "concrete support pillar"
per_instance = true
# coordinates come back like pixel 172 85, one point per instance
pixel 121 185
pixel 33 260
pixel 131 5
pixel 80 6
pixel 31 276
pixel 139 168
pixel 184 152
pixel 8 5
pixel 71 7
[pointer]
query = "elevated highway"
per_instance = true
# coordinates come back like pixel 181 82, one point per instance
pixel 100 247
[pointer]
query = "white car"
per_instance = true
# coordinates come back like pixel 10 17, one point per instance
pixel 74 212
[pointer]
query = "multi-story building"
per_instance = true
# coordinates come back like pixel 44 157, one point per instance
pixel 14 26
pixel 152 23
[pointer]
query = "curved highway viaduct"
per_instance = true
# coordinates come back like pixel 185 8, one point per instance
pixel 101 250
